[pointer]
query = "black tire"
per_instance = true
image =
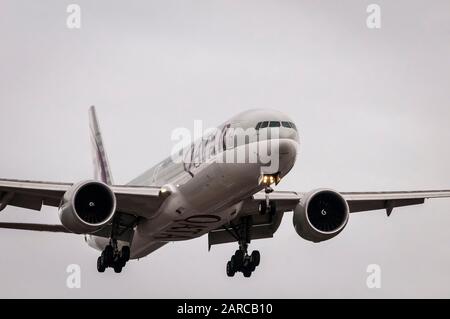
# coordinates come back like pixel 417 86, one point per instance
pixel 100 265
pixel 234 263
pixel 239 257
pixel 255 258
pixel 230 270
pixel 247 273
pixel 125 254
pixel 108 255
pixel 118 267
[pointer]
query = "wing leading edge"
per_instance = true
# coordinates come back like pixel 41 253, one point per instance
pixel 363 201
pixel 133 200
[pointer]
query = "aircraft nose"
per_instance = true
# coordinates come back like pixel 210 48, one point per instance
pixel 290 134
pixel 288 148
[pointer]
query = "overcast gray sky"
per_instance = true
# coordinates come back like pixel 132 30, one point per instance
pixel 372 107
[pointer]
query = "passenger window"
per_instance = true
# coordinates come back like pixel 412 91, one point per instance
pixel 274 124
pixel 264 124
pixel 258 125
pixel 293 126
pixel 286 124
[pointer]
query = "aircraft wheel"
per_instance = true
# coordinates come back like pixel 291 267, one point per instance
pixel 238 259
pixel 118 267
pixel 230 269
pixel 125 254
pixel 100 264
pixel 255 258
pixel 236 264
pixel 108 255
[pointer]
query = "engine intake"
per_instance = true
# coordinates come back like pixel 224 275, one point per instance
pixel 87 207
pixel 321 215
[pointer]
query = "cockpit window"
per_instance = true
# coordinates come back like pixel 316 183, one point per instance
pixel 265 124
pixel 274 124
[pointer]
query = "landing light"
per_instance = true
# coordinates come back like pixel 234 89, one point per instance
pixel 164 192
pixel 268 180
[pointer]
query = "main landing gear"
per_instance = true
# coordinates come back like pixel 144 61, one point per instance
pixel 241 260
pixel 113 257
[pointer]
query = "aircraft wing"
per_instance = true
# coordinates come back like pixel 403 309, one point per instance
pixel 362 201
pixel 265 226
pixel 132 200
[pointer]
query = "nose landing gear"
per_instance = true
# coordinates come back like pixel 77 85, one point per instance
pixel 113 257
pixel 267 206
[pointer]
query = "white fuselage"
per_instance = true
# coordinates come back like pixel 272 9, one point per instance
pixel 206 194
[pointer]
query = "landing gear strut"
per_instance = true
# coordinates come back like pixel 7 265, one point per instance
pixel 267 206
pixel 241 260
pixel 113 257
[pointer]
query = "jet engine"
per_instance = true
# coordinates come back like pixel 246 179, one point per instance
pixel 321 215
pixel 87 207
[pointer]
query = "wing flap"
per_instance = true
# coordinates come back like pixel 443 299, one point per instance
pixel 35 227
pixel 366 205
pixel 30 194
pixel 26 201
pixel 367 201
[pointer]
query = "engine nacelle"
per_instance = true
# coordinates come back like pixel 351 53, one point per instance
pixel 321 215
pixel 87 207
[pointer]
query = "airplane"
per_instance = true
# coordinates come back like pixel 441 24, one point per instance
pixel 199 193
